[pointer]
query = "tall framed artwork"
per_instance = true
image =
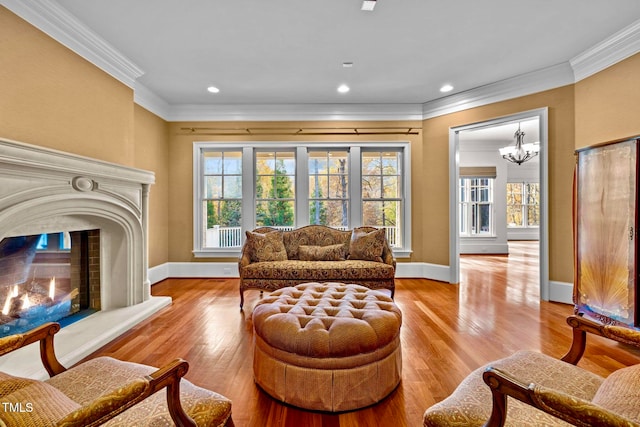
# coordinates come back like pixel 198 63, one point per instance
pixel 606 222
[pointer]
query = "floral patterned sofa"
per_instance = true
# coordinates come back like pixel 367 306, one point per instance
pixel 272 259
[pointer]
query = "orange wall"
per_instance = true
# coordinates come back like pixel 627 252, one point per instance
pixel 431 205
pixel 51 97
pixel 608 104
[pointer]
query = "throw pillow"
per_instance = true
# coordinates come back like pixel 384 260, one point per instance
pixel 322 253
pixel 367 245
pixel 266 247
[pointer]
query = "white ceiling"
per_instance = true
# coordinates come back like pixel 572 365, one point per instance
pixel 291 51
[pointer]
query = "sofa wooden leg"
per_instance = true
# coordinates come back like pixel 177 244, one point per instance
pixel 241 298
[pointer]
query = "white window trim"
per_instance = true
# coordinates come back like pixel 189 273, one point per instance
pixel 302 185
pixel 492 234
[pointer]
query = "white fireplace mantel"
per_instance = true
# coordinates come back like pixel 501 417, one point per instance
pixel 49 191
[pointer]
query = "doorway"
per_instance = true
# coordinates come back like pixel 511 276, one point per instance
pixel 539 116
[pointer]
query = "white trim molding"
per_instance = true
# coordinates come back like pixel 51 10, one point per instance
pixel 525 84
pixel 62 26
pixel 561 292
pixel 302 112
pixel 610 51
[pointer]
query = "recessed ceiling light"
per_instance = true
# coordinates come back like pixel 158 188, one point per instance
pixel 446 88
pixel 343 88
pixel 368 5
pixel 347 64
pixel 213 89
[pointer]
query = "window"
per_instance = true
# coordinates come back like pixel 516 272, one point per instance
pixel 381 192
pixel 275 189
pixel 286 185
pixel 523 204
pixel 329 188
pixel 476 207
pixel 222 198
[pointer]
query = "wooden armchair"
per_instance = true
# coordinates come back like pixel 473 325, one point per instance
pixel 546 391
pixel 104 391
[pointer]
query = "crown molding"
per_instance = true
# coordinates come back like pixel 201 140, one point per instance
pixel 525 84
pixel 610 51
pixel 146 98
pixel 302 112
pixel 55 21
pixel 51 18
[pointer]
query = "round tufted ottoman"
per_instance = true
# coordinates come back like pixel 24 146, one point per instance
pixel 327 346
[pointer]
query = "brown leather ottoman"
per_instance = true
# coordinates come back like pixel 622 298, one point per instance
pixel 327 346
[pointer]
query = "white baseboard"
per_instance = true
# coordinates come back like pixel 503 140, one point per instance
pixel 158 273
pixel 561 292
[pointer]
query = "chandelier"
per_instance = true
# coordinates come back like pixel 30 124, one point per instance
pixel 521 152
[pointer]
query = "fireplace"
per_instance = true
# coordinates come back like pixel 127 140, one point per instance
pixel 48 278
pixel 49 192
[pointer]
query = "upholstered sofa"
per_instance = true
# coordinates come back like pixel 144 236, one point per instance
pixel 104 391
pixel 272 259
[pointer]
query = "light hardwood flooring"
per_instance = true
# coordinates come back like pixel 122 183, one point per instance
pixel 448 331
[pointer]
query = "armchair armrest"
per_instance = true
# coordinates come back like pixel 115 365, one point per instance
pixel 582 325
pixel 568 408
pixel 44 334
pixel 114 402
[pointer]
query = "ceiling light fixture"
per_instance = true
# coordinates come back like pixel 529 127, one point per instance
pixel 213 89
pixel 521 152
pixel 446 88
pixel 343 89
pixel 368 5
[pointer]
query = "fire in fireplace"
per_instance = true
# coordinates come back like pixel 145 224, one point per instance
pixel 47 277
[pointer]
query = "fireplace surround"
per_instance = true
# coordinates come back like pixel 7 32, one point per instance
pixel 48 191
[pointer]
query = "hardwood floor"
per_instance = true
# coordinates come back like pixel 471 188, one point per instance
pixel 448 330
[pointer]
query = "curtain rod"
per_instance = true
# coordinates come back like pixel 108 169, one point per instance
pixel 299 131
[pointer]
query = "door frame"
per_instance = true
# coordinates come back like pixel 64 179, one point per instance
pixel 454 175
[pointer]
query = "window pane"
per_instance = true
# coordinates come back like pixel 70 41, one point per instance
pixel 371 187
pixel 233 163
pixel 390 187
pixel 223 220
pixel 285 187
pixel 391 163
pixel 371 164
pixel 533 215
pixel 213 187
pixel 233 187
pixel 318 187
pixel 514 216
pixel 318 162
pixel 338 187
pixel 212 163
pixel 264 187
pixel 338 162
pixel 275 213
pixel 332 213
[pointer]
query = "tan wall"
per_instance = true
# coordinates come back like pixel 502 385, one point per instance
pixel 152 153
pixel 51 97
pixel 607 104
pixel 181 165
pixel 431 206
